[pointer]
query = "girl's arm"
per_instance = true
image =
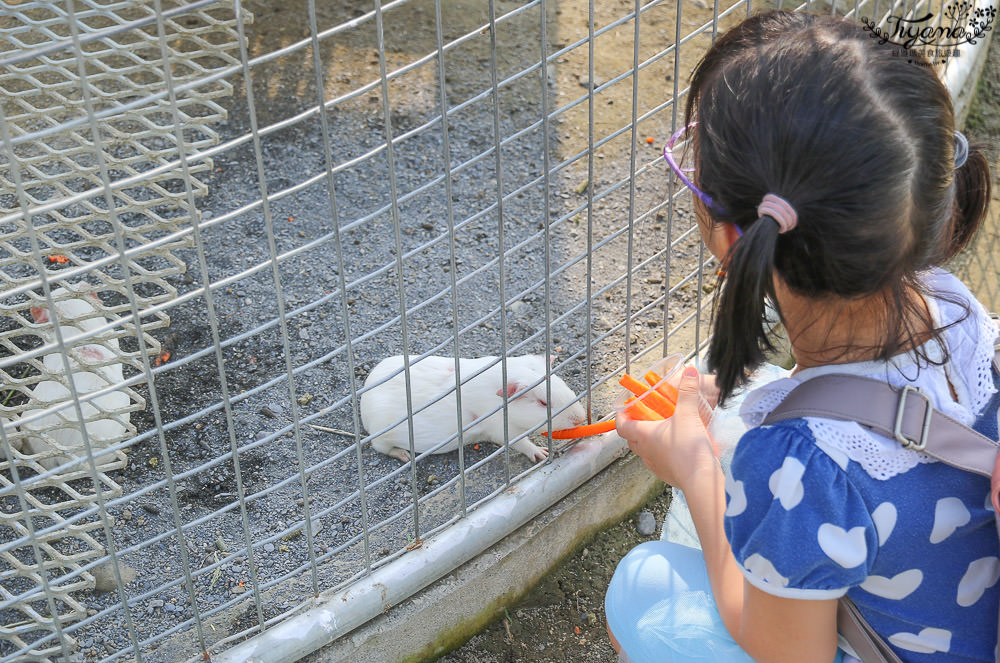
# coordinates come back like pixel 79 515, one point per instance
pixel 770 629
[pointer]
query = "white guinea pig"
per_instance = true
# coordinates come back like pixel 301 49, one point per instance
pixel 431 377
pixel 93 366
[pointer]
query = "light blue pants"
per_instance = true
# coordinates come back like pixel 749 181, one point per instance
pixel 659 607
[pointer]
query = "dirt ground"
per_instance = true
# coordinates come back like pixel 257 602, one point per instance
pixel 562 619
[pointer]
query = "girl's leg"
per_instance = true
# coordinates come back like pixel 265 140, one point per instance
pixel 660 609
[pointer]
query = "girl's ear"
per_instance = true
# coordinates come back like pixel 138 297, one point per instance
pixel 730 234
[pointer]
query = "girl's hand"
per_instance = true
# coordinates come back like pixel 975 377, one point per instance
pixel 677 448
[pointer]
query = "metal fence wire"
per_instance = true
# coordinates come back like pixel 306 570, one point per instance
pixel 217 219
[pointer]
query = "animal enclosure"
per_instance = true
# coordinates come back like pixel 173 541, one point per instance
pixel 217 218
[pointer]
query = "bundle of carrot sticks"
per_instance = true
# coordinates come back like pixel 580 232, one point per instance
pixel 649 403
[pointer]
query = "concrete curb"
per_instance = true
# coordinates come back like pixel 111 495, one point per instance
pixel 446 614
pixel 963 78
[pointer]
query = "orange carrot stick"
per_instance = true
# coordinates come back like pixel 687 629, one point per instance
pixel 666 389
pixel 583 431
pixel 652 398
pixel 639 411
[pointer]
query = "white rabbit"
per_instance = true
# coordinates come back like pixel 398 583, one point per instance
pixel 431 377
pixel 93 365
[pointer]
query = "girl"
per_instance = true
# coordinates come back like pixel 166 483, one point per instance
pixel 828 179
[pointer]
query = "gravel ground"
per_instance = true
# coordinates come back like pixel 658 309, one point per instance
pixel 264 404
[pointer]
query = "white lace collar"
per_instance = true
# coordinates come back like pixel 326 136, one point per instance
pixel 970 343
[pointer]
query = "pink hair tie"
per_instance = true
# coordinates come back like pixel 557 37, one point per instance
pixel 780 210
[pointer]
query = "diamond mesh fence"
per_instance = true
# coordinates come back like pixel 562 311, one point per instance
pixel 94 204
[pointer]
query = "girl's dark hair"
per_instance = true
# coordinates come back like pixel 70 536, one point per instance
pixel 860 140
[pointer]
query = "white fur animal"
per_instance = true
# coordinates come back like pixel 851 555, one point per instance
pixel 93 366
pixel 433 376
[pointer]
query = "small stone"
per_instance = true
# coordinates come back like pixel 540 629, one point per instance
pixel 283 548
pixel 432 479
pixel 646 524
pixel 126 515
pixel 272 410
pixel 238 589
pixel 156 603
pixel 269 547
pixel 104 576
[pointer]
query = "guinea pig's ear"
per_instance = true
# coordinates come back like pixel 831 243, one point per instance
pixel 511 390
pixel 40 314
pixel 547 359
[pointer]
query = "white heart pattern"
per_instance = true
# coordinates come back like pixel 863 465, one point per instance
pixel 761 567
pixel 786 483
pixel 981 575
pixel 928 641
pixel 847 548
pixel 949 514
pixel 737 496
pixel 884 517
pixel 897 587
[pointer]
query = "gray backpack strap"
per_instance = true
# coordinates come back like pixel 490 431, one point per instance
pixel 907 416
pixel 867 644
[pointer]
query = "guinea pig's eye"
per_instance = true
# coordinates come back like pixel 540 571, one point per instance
pixel 541 401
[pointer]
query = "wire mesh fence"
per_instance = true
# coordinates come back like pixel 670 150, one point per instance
pixel 216 221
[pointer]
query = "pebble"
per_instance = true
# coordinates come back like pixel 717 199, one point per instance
pixel 269 547
pixel 646 524
pixel 272 410
pixel 104 576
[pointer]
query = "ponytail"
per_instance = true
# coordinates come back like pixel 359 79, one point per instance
pixel 972 201
pixel 740 340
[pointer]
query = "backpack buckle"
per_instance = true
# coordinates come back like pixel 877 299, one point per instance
pixel 897 431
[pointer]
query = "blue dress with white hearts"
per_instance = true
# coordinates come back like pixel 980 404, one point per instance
pixel 817 508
